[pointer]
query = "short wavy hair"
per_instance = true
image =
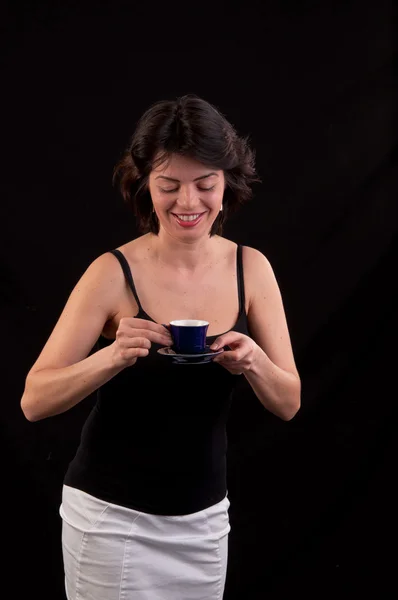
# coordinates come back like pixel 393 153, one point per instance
pixel 191 127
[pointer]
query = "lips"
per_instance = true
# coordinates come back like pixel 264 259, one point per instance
pixel 188 220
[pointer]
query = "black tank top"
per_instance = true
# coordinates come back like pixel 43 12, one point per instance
pixel 155 440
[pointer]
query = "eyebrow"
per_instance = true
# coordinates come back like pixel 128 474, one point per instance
pixel 177 180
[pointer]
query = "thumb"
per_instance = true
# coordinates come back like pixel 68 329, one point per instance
pixel 231 338
pixel 218 343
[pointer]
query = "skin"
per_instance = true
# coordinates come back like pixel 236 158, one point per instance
pixel 179 273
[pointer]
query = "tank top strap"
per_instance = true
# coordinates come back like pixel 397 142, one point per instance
pixel 241 282
pixel 128 275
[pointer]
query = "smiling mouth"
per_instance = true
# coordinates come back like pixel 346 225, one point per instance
pixel 188 220
pixel 188 217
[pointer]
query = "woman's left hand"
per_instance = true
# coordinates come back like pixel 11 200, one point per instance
pixel 240 358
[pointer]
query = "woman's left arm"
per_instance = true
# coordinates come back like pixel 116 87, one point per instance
pixel 266 359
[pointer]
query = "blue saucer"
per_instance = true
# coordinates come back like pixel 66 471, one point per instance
pixel 190 359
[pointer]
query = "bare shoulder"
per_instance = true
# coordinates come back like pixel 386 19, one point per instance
pixel 256 267
pixel 105 271
pixel 136 249
pixel 254 259
pixel 99 289
pixel 102 275
pixel 258 271
pixel 225 248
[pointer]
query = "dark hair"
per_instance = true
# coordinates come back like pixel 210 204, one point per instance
pixel 191 127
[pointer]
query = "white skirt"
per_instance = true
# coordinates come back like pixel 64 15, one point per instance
pixel 115 553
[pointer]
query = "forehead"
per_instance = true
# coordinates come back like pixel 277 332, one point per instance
pixel 178 166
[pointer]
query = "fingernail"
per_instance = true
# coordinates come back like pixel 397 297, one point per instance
pixel 214 347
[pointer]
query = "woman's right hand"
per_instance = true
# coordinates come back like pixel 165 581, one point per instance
pixel 134 338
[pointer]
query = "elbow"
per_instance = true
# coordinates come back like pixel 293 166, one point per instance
pixel 29 405
pixel 293 405
pixel 289 414
pixel 28 410
pixel 30 417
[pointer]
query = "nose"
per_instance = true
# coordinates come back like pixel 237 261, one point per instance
pixel 188 198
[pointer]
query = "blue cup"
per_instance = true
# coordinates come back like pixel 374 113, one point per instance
pixel 189 336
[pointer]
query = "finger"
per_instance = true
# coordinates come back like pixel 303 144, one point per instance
pixel 234 370
pixel 141 342
pixel 128 353
pixel 136 342
pixel 141 352
pixel 162 337
pixel 226 339
pixel 137 323
pixel 228 356
pixel 221 358
pixel 157 338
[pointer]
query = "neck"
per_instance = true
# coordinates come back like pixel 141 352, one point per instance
pixel 183 255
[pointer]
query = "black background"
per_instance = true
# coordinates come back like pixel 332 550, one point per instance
pixel 314 84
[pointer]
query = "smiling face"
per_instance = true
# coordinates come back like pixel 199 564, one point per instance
pixel 186 195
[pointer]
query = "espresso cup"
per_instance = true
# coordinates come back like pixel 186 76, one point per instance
pixel 189 335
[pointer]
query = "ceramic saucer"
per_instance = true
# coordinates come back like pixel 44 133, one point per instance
pixel 190 359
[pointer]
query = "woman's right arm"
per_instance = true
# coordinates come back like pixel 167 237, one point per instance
pixel 64 374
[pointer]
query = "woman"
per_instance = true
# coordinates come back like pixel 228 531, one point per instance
pixel 145 506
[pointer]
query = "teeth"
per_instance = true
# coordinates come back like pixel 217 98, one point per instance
pixel 187 217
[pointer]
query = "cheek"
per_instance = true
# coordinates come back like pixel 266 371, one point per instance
pixel 160 201
pixel 215 198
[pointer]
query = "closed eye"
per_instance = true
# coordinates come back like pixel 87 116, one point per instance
pixel 202 189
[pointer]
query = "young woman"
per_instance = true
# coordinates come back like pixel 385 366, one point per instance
pixel 145 506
